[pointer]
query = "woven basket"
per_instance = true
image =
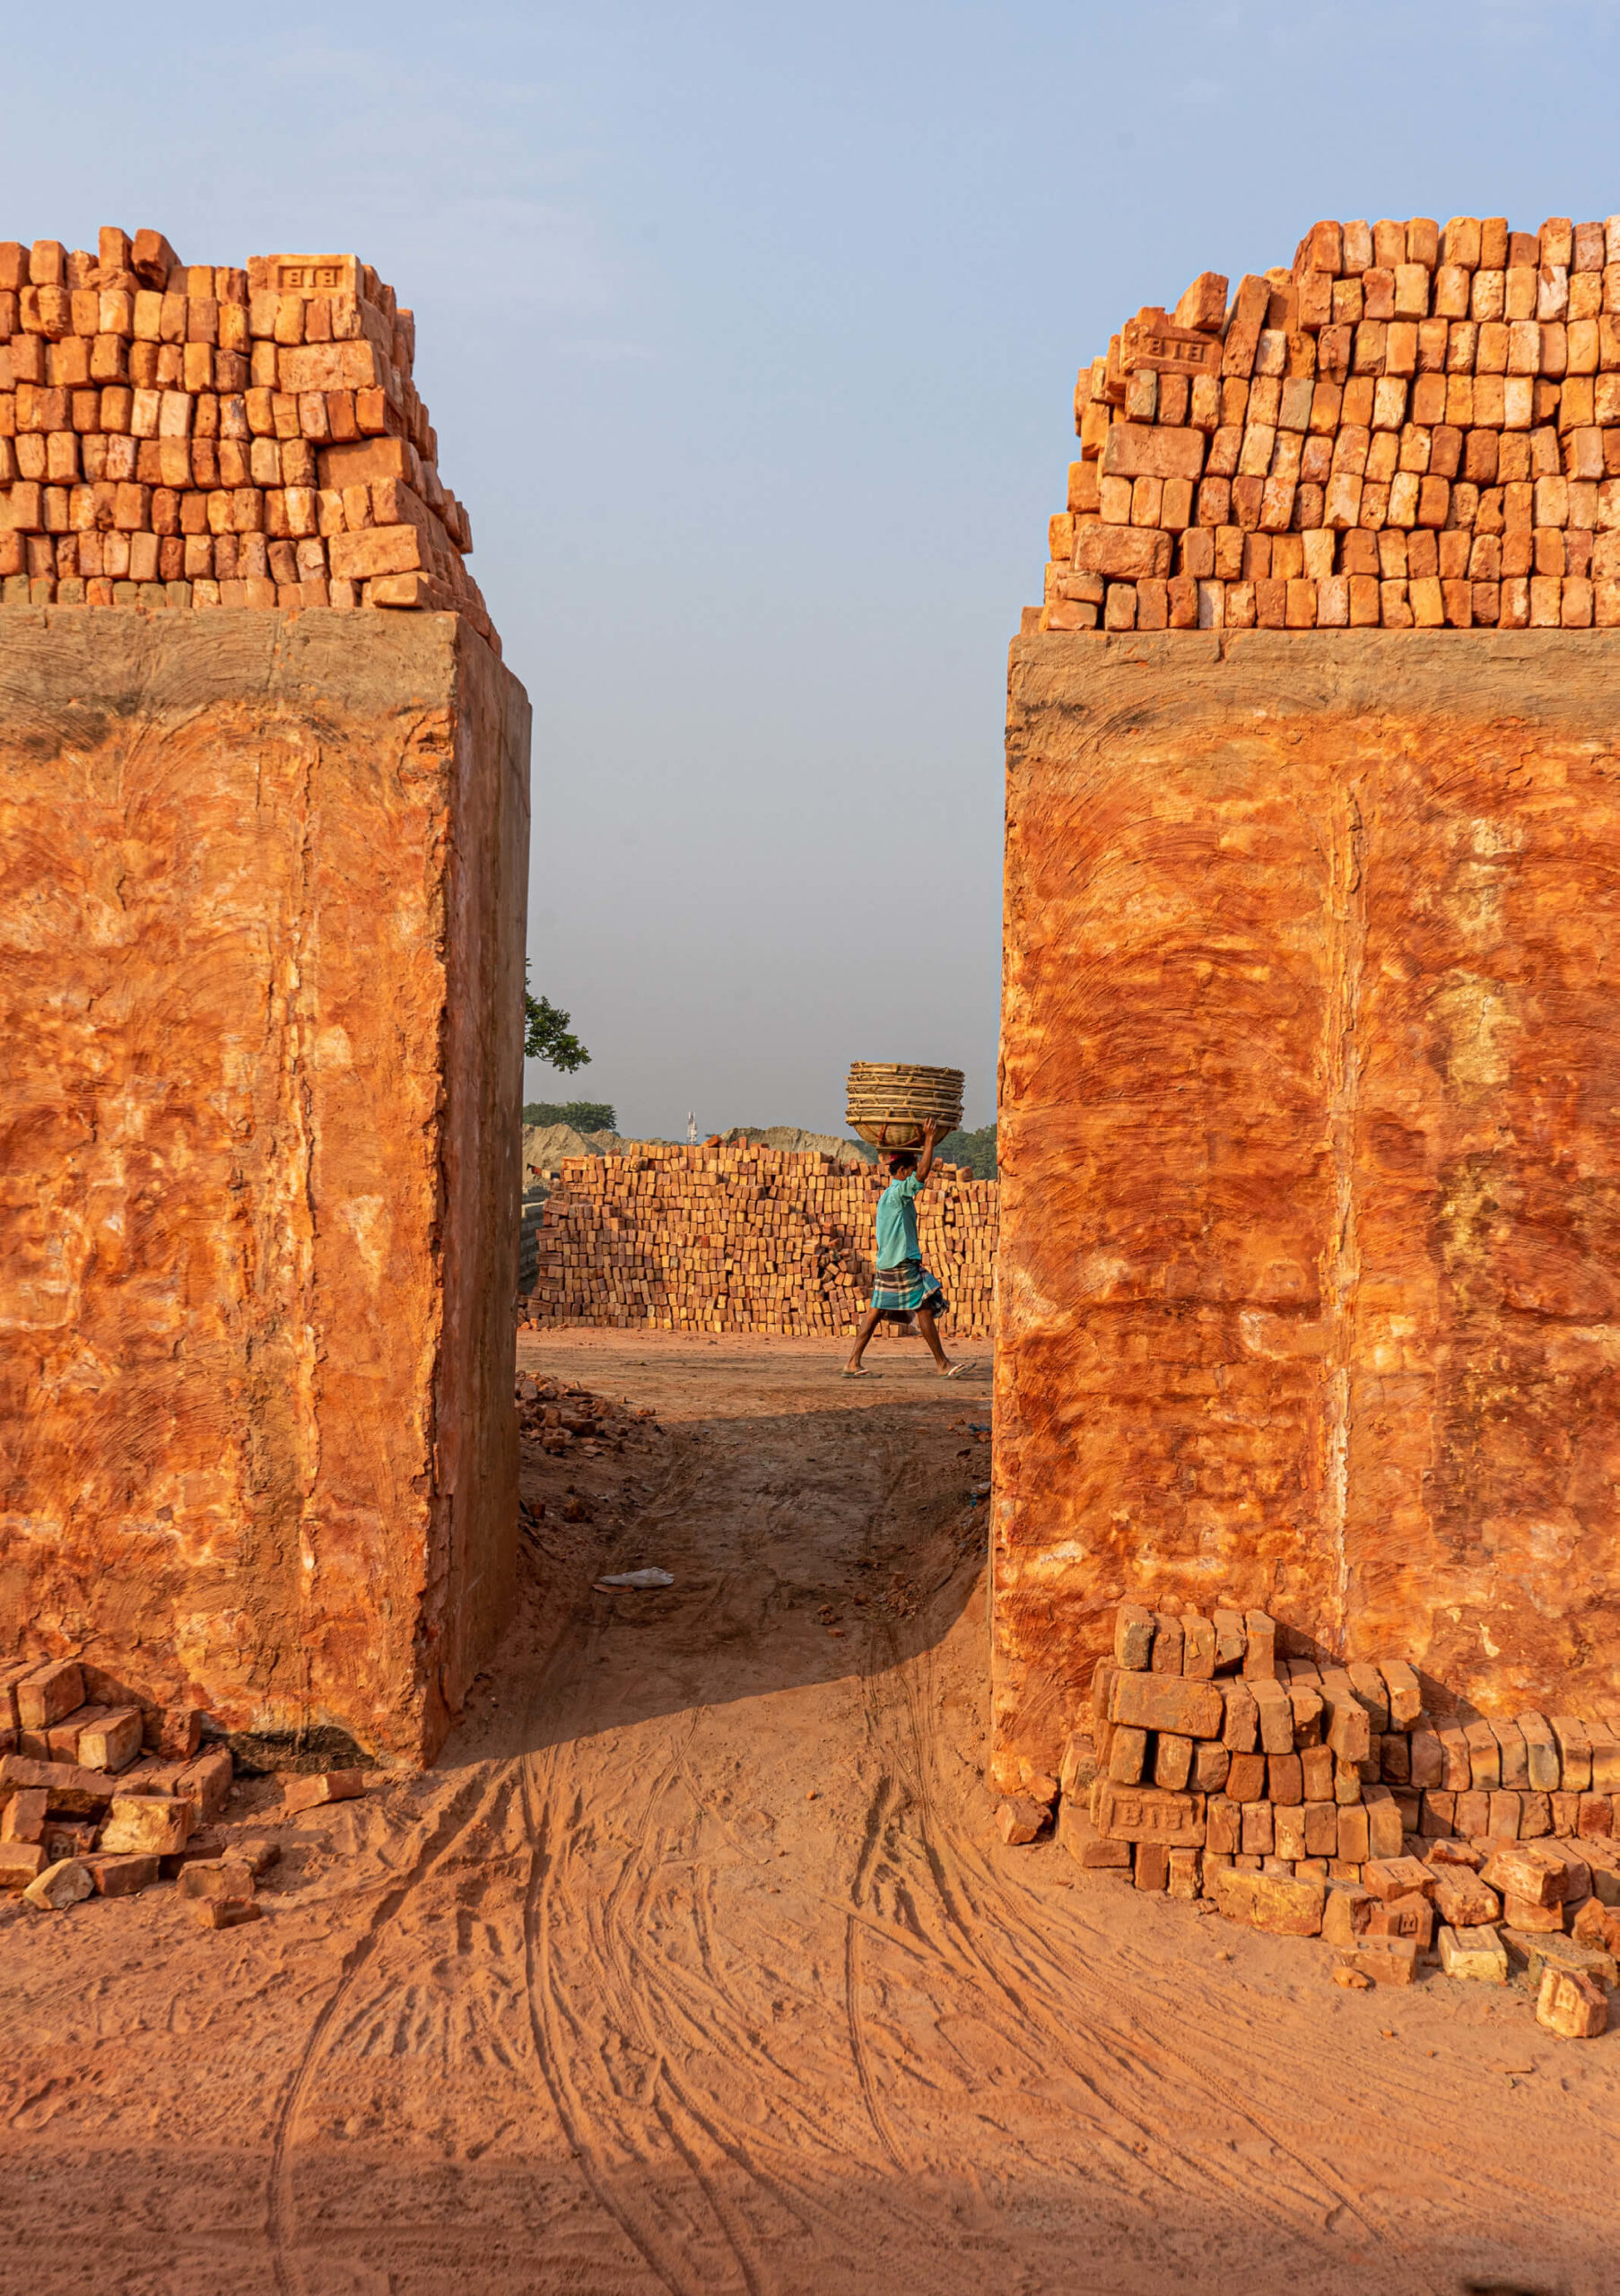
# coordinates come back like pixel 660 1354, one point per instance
pixel 889 1101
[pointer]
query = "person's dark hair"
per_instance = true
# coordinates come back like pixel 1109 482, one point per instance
pixel 901 1160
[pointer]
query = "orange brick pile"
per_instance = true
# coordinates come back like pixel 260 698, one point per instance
pixel 97 1791
pixel 191 435
pixel 1313 1799
pixel 1412 428
pixel 739 1238
pixel 101 1795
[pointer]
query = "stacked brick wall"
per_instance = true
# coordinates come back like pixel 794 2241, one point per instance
pixel 1411 427
pixel 739 1237
pixel 195 435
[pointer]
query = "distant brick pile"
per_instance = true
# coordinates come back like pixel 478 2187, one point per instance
pixel 1313 1799
pixel 737 1238
pixel 1411 427
pixel 178 435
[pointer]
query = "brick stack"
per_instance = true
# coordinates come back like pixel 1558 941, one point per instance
pixel 1310 1798
pixel 91 1777
pixel 190 435
pixel 1412 428
pixel 733 1237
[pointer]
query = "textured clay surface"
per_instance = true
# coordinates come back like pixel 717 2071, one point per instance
pixel 261 907
pixel 1309 1280
pixel 698 1966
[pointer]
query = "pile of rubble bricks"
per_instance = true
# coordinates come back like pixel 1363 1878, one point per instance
pixel 1412 428
pixel 1311 1799
pixel 102 1795
pixel 190 435
pixel 732 1237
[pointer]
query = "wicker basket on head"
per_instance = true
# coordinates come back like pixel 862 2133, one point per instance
pixel 889 1101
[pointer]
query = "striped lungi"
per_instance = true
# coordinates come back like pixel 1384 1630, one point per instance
pixel 901 1290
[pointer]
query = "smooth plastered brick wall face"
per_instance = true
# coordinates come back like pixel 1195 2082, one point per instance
pixel 1412 426
pixel 178 435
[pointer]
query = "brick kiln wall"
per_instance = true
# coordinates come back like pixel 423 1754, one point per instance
pixel 197 435
pixel 739 1237
pixel 1308 1262
pixel 1407 428
pixel 261 876
pixel 1309 1269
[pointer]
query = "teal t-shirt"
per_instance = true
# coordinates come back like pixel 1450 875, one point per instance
pixel 897 1221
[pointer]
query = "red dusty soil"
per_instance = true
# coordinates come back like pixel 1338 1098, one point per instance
pixel 697 1966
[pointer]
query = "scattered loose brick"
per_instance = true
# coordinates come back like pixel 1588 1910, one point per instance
pixel 1393 1877
pixel 22 1818
pixel 1346 1915
pixel 225 1913
pixel 123 1876
pixel 20 1863
pixel 178 1732
pixel 1476 1954
pixel 1572 2004
pixel 1091 1851
pixel 148 1823
pixel 1283 1906
pixel 323 1786
pixel 216 1877
pixel 1463 1900
pixel 111 1743
pixel 1387 1960
pixel 69 1790
pixel 49 1692
pixel 1530 1872
pixel 1019 1820
pixel 67 1882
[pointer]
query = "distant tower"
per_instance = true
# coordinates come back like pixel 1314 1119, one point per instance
pixel 692 1128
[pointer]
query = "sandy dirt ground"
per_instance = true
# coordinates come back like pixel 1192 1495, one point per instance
pixel 697 1965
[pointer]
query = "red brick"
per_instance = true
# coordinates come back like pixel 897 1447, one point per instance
pixel 21 1861
pixel 22 1817
pixel 1145 1813
pixel 49 1694
pixel 69 1790
pixel 1398 1877
pixel 1018 1819
pixel 1387 1960
pixel 1151 450
pixel 123 1876
pixel 225 1913
pixel 1154 1701
pixel 330 1785
pixel 1572 2004
pixel 1283 1906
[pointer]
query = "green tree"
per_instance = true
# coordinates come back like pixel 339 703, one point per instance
pixel 583 1115
pixel 545 1033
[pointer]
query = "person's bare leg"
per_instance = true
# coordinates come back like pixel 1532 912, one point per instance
pixel 929 1329
pixel 863 1333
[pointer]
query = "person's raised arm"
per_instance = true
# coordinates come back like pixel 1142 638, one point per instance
pixel 929 1141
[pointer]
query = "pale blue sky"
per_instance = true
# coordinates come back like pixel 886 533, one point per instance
pixel 750 335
